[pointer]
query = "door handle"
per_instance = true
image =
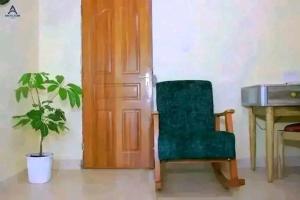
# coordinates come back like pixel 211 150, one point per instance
pixel 147 79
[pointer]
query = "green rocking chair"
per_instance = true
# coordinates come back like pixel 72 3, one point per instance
pixel 187 130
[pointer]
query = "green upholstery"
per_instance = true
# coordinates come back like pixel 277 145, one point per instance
pixel 186 123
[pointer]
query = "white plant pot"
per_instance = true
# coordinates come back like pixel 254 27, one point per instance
pixel 39 168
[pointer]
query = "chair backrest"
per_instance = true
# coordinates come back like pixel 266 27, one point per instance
pixel 185 107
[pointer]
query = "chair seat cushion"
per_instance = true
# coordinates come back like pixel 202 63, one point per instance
pixel 292 128
pixel 216 145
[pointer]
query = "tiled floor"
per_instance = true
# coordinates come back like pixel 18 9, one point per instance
pixel 185 183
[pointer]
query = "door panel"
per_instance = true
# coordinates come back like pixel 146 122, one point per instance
pixel 117 72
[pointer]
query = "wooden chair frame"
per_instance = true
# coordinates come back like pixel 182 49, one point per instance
pixel 233 181
pixel 282 136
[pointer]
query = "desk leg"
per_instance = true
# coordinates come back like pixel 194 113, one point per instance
pixel 252 135
pixel 275 154
pixel 269 142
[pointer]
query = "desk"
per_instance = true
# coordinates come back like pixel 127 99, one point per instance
pixel 270 114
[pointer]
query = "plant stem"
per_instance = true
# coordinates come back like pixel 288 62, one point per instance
pixel 38 96
pixel 41 146
pixel 32 96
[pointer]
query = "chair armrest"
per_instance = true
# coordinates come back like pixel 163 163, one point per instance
pixel 228 120
pixel 229 111
pixel 155 113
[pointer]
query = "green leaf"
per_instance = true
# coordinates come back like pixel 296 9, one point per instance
pixel 49 108
pixel 62 93
pixel 44 130
pixel 60 78
pixel 61 114
pixel 40 87
pixel 54 117
pixel 51 88
pixel 75 88
pixel 25 78
pixel 72 98
pixel 18 124
pixel 52 82
pixel 36 124
pixel 62 126
pixel 45 75
pixel 18 95
pixel 22 122
pixel 19 116
pixel 25 91
pixel 77 97
pixel 53 127
pixel 35 114
pixel 38 79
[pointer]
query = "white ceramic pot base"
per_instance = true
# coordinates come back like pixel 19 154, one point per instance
pixel 39 168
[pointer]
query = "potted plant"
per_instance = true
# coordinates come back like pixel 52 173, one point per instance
pixel 44 116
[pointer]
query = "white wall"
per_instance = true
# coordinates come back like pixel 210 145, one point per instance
pixel 18 54
pixel 231 43
pixel 60 53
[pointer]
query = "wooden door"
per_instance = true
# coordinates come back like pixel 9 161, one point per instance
pixel 117 71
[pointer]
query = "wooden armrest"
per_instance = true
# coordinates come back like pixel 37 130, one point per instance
pixel 228 120
pixel 155 113
pixel 229 111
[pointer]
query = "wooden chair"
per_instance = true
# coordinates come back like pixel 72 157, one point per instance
pixel 290 132
pixel 187 130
